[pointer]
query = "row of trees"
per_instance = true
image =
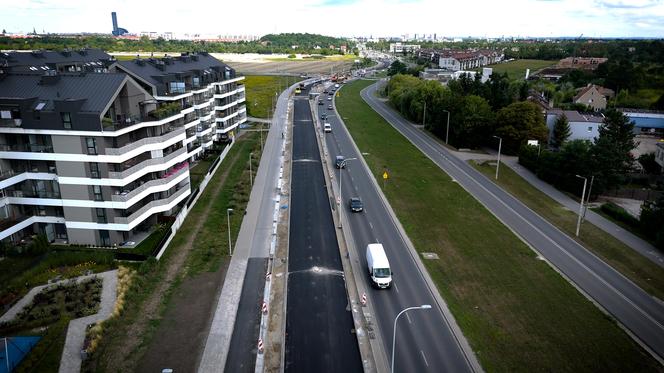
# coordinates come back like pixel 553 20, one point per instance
pixel 476 110
pixel 268 44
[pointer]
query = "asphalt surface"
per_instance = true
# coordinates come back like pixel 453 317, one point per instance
pixel 640 313
pixel 425 342
pixel 319 325
pixel 242 351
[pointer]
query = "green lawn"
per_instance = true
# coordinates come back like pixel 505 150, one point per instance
pixel 517 313
pixel 260 92
pixel 648 275
pixel 517 69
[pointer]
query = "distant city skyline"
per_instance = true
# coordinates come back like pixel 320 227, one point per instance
pixel 348 18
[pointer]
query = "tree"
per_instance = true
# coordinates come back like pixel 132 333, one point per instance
pixel 649 164
pixel 561 131
pixel 397 67
pixel 611 154
pixel 652 220
pixel 659 104
pixel 519 122
pixel 473 125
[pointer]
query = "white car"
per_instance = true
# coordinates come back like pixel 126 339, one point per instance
pixel 327 127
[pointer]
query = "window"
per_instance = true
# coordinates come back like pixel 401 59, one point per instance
pixel 66 120
pixel 101 216
pixel 176 87
pixel 96 190
pixel 590 129
pixel 196 81
pixel 92 145
pixel 105 238
pixel 94 171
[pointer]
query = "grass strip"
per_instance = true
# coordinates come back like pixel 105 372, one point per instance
pixel 646 274
pixel 209 251
pixel 517 313
pixel 261 90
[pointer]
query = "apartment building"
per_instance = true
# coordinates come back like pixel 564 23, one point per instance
pixel 94 151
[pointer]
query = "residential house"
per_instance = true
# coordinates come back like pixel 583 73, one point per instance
pixel 593 96
pixel 583 126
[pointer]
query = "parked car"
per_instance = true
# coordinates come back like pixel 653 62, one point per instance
pixel 356 204
pixel 339 162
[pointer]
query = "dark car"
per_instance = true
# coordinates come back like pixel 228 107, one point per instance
pixel 323 116
pixel 356 204
pixel 329 107
pixel 320 102
pixel 325 91
pixel 339 162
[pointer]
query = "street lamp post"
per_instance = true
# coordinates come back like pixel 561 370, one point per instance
pixel 341 167
pixel 251 180
pixel 590 190
pixel 500 144
pixel 447 131
pixel 583 196
pixel 228 219
pixel 394 330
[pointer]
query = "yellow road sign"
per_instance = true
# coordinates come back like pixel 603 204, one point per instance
pixel 385 175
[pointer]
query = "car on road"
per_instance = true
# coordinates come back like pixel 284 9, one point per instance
pixel 320 102
pixel 327 127
pixel 339 162
pixel 356 204
pixel 378 266
pixel 325 91
pixel 329 107
pixel 336 86
pixel 323 116
pixel 329 98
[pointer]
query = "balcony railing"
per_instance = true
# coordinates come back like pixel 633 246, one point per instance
pixel 33 148
pixel 146 163
pixel 128 195
pixel 145 141
pixel 11 123
pixel 150 205
pixel 31 194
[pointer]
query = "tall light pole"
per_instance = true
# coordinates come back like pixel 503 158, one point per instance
pixel 341 167
pixel 590 189
pixel 228 220
pixel 500 144
pixel 447 131
pixel 251 179
pixel 394 330
pixel 583 196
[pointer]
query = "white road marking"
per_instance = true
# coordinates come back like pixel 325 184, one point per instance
pixel 409 320
pixel 397 289
pixel 371 225
pixel 424 358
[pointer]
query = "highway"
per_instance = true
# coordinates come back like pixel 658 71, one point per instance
pixel 425 342
pixel 640 313
pixel 319 324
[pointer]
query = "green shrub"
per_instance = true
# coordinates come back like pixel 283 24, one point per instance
pixel 620 214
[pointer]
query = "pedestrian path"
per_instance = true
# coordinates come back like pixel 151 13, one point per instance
pixel 624 236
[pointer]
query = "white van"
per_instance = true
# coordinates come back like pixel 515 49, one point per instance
pixel 379 266
pixel 327 127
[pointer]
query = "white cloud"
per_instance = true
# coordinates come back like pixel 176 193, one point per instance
pixel 346 17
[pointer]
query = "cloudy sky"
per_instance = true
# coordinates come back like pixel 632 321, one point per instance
pixel 480 18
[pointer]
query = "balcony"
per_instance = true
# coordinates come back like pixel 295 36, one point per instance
pixel 32 194
pixel 11 123
pixel 148 162
pixel 164 203
pixel 167 178
pixel 31 148
pixel 145 141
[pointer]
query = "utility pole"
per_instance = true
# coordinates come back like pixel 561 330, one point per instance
pixel 583 195
pixel 500 144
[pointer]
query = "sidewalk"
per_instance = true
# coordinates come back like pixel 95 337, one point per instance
pixel 629 239
pixel 253 241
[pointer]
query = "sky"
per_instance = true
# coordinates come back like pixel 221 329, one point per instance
pixel 478 18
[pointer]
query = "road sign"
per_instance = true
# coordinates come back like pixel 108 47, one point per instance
pixel 385 175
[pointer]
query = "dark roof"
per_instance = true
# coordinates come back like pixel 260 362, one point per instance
pixel 96 90
pixel 41 58
pixel 149 72
pixel 575 116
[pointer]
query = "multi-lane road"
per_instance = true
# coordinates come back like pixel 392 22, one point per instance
pixel 639 312
pixel 319 325
pixel 425 340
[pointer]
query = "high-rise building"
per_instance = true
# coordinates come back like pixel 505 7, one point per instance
pixel 95 151
pixel 117 31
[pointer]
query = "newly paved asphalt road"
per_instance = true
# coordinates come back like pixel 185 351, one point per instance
pixel 319 325
pixel 642 314
pixel 425 342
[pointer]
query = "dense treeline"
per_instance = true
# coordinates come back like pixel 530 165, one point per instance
pixel 268 44
pixel 477 110
pixel 651 51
